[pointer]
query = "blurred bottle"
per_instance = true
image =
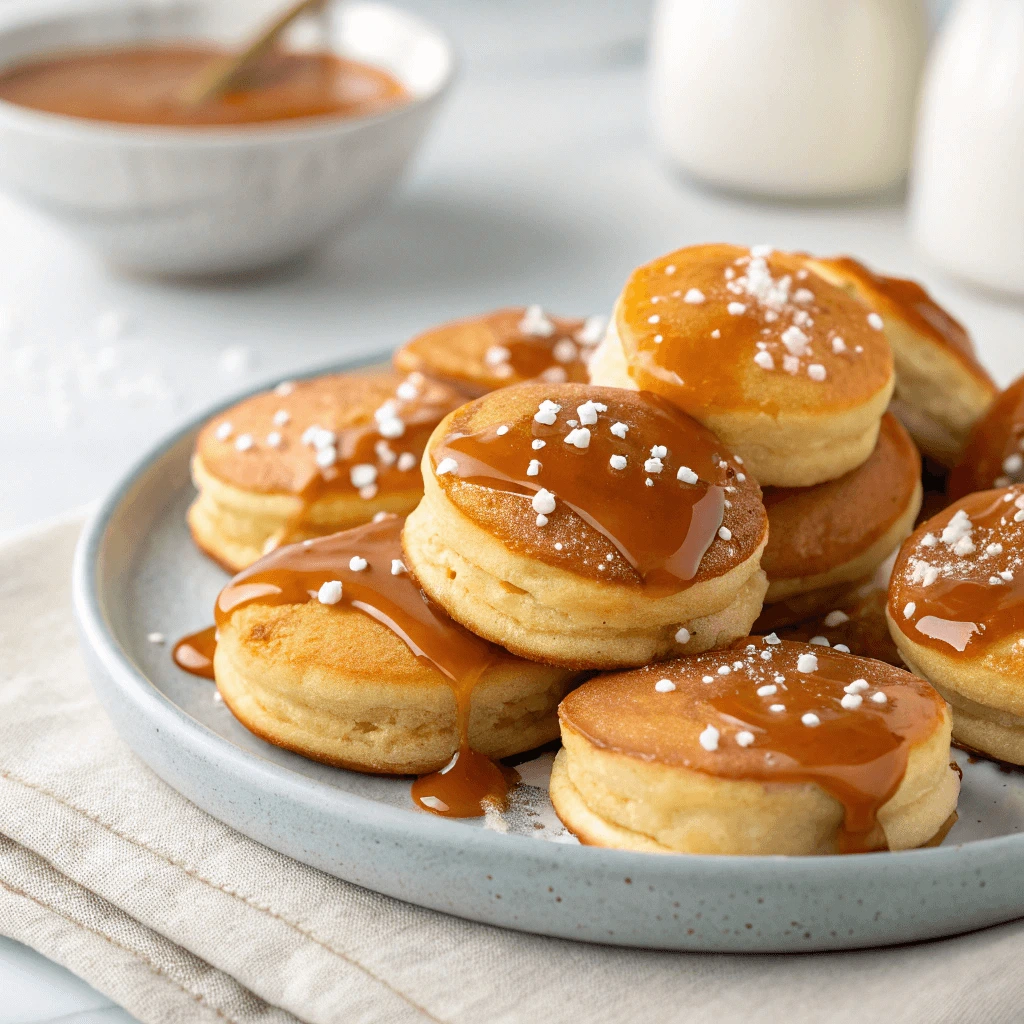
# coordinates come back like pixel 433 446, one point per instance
pixel 797 98
pixel 967 189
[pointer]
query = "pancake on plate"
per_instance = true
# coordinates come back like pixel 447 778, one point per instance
pixel 587 527
pixel 310 458
pixel 769 747
pixel 856 624
pixel 994 455
pixel 824 538
pixel 941 388
pixel 956 613
pixel 788 369
pixel 509 346
pixel 329 648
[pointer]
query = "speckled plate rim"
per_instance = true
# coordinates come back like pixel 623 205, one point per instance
pixel 686 902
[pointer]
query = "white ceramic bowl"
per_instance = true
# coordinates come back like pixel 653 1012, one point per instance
pixel 213 200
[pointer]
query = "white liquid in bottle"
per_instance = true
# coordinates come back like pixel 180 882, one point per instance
pixel 967 190
pixel 788 97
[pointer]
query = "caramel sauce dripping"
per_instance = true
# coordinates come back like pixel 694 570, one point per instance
pixel 670 348
pixel 919 309
pixel 142 85
pixel 961 613
pixel 294 575
pixel 292 467
pixel 459 352
pixel 471 782
pixel 357 445
pixel 532 357
pixel 194 653
pixel 859 756
pixel 996 437
pixel 662 531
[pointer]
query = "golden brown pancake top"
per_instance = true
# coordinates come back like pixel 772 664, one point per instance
pixel 994 456
pixel 906 300
pixel 508 346
pixel 718 327
pixel 772 712
pixel 642 493
pixel 958 583
pixel 360 432
pixel 815 529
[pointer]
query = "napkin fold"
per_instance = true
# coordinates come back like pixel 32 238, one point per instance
pixel 179 918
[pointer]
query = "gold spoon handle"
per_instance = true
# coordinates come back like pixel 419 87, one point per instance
pixel 219 75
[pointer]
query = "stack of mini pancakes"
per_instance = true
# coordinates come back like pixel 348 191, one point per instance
pixel 665 541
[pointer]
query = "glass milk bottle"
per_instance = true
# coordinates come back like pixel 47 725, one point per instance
pixel 799 98
pixel 967 187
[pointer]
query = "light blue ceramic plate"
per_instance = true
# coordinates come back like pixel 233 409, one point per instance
pixel 137 572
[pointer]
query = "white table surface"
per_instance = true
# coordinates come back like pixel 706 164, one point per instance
pixel 538 185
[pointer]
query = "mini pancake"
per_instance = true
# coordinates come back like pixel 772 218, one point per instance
pixel 587 527
pixel 377 680
pixel 509 346
pixel 856 624
pixel 941 388
pixel 994 456
pixel 956 613
pixel 311 458
pixel 790 371
pixel 770 747
pixel 839 532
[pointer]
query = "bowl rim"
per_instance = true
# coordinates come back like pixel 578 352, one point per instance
pixel 209 136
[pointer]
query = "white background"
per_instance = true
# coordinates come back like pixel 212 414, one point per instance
pixel 538 185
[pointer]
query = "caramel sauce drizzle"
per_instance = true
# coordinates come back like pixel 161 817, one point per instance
pixel 919 309
pixel 357 446
pixel 532 357
pixel 701 354
pixel 662 531
pixel 857 755
pixel 958 601
pixel 294 575
pixel 387 441
pixel 194 653
pixel 994 456
pixel 496 350
pixel 142 85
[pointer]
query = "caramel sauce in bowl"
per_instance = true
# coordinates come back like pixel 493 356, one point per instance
pixel 234 194
pixel 142 85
